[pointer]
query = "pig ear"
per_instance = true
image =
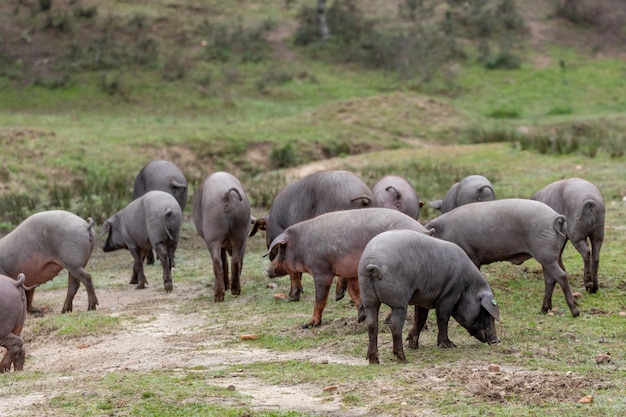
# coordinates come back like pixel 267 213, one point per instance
pixel 436 204
pixel 273 250
pixel 491 305
pixel 106 227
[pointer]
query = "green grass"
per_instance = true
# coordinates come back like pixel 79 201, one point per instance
pixel 78 141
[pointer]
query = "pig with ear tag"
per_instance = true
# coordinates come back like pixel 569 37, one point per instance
pixel 401 268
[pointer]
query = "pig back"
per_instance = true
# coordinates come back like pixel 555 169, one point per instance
pixel 397 193
pixel 579 200
pixel 162 217
pixel 221 206
pixel 12 305
pixel 161 175
pixel 496 230
pixel 316 194
pixel 54 236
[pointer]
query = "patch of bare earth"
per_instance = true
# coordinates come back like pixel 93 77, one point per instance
pixel 156 335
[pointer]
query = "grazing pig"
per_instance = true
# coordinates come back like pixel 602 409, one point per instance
pixel 583 207
pixel 12 317
pixel 401 268
pixel 512 230
pixel 330 245
pixel 45 243
pixel 310 196
pixel 151 221
pixel 221 214
pixel 164 176
pixel 397 193
pixel 471 189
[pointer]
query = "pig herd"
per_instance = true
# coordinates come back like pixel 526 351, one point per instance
pixel 380 253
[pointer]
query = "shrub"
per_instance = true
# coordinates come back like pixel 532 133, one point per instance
pixel 284 156
pixel 236 42
pixel 504 114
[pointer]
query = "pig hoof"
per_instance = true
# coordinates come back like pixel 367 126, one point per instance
pixel 447 344
pixel 310 325
pixel 36 312
pixel 168 287
pixel 132 281
pixel 575 312
pixel 402 359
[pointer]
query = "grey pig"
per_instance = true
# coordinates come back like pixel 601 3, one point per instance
pixel 514 230
pixel 310 196
pixel 471 189
pixel 221 214
pixel 151 221
pixel 401 268
pixel 330 245
pixel 583 207
pixel 45 243
pixel 396 192
pixel 12 317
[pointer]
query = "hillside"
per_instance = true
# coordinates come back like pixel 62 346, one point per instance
pixel 223 85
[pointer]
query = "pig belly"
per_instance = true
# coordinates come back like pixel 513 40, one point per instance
pixel 39 271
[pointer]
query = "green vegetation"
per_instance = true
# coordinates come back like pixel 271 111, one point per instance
pixel 430 90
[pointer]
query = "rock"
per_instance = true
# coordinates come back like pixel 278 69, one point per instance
pixel 577 294
pixel 570 336
pixel 330 388
pixel 279 296
pixel 586 399
pixel 271 285
pixel 248 337
pixel 622 314
pixel 603 358
pixel 493 368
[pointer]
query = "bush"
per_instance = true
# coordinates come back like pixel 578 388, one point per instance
pixel 284 156
pixel 228 42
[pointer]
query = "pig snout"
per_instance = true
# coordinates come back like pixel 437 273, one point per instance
pixel 493 340
pixel 274 271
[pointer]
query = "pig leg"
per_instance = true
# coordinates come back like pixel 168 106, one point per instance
pixel 340 288
pixel 13 344
pixel 596 245
pixel 219 288
pixel 72 288
pixel 36 312
pixel 237 266
pixel 225 269
pixel 371 314
pixel 443 317
pixel 296 286
pixel 75 277
pixel 162 253
pixel 323 282
pixel 552 274
pixel 138 274
pixel 396 323
pixel 583 248
pixel 352 284
pixel 419 321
